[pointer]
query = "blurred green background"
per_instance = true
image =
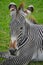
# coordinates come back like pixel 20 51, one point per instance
pixel 5 20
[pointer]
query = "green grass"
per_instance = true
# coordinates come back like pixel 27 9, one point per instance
pixel 5 20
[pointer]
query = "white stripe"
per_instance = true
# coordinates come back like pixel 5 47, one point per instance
pixel 13 39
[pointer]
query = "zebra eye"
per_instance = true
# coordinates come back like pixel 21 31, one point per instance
pixel 21 28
